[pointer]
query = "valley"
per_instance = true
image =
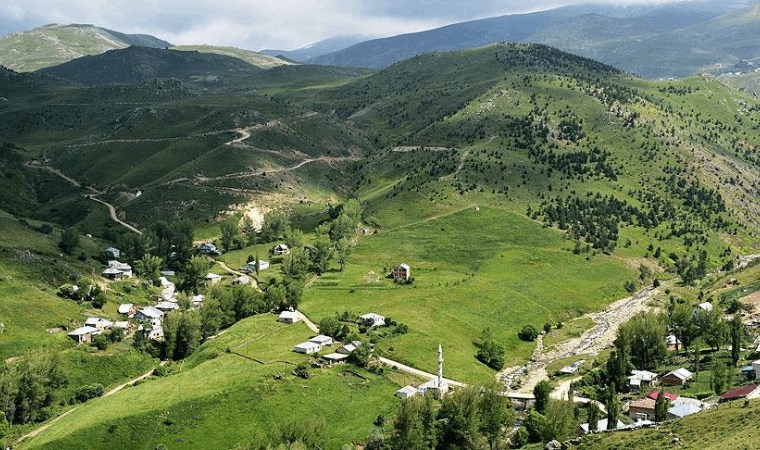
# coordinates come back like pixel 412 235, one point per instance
pixel 514 205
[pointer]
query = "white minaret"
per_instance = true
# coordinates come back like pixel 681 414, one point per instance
pixel 440 366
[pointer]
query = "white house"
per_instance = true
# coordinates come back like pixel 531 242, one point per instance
pixel 372 320
pixel 307 348
pixel 84 334
pixel 213 278
pixel 349 348
pixel 706 307
pixel 124 268
pixel 641 378
pixel 601 425
pixel 242 279
pixel 151 314
pixel 197 299
pixel 251 266
pixel 153 333
pixel 322 340
pixel 127 309
pixel 335 358
pixel 406 392
pixel 167 306
pixel 99 323
pixel 281 250
pixel 402 272
pixel 122 324
pixel 289 317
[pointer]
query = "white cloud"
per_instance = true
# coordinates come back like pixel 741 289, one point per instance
pixel 257 24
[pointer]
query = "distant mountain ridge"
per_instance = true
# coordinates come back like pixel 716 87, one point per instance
pixel 55 44
pixel 319 48
pixel 670 40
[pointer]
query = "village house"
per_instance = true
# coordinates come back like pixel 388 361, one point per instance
pixel 307 348
pixel 641 378
pixel 251 266
pixel 289 317
pixel 208 249
pixel 281 250
pixel 198 300
pixel 677 377
pixel 84 334
pixel 406 392
pixel 152 332
pixel 99 323
pixel 349 348
pixel 601 426
pixel 117 270
pixel 402 272
pixel 212 278
pixel 641 409
pixel 572 368
pixel 335 358
pixel 123 325
pixel 371 320
pixel 322 340
pixel 127 309
pixel 151 314
pixel 168 273
pixel 682 410
pixel 749 392
pixel 242 279
pixel 706 307
pixel 112 253
pixel 167 306
pixel 672 342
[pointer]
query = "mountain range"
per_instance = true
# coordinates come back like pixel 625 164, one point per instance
pixel 670 40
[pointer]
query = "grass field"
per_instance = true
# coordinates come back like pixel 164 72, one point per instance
pixel 473 269
pixel 217 399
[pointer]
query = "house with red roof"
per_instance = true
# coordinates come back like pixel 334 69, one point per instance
pixel 749 392
pixel 653 395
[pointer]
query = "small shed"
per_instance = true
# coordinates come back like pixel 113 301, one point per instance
pixel 683 410
pixel 307 348
pixel 641 378
pixel 112 253
pixel 99 323
pixel 601 426
pixel 167 306
pixel 349 348
pixel 335 358
pixel 208 249
pixel 406 392
pixel 242 279
pixel 289 317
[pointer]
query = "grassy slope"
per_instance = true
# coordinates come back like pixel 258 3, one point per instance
pixel 217 399
pixel 472 269
pixel 251 57
pixel 729 426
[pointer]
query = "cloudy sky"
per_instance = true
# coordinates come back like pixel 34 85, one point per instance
pixel 258 24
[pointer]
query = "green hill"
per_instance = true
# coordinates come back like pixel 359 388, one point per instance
pixel 253 58
pixel 52 45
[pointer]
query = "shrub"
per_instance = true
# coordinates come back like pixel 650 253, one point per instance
pixel 528 333
pixel 520 438
pixel 101 342
pixel 302 371
pixel 89 391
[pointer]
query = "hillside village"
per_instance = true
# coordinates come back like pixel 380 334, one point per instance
pixel 508 246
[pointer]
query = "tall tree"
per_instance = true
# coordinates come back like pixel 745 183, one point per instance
pixel 229 229
pixel 69 240
pixel 736 338
pixel 560 420
pixel 460 417
pixel 645 338
pixel 149 267
pixel 275 224
pixel 408 431
pixel 195 271
pixel 681 319
pixel 613 408
pixel 541 392
pixel 720 376
pixel 593 416
pixel 295 265
pixel 661 405
pixel 712 327
pixel 496 415
pixel 248 230
pixel 293 237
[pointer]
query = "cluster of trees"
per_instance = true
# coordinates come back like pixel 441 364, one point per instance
pixel 467 418
pixel 84 291
pixel 27 386
pixel 577 163
pixel 491 353
pixel 172 242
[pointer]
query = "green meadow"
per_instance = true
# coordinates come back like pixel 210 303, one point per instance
pixel 217 399
pixel 473 269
